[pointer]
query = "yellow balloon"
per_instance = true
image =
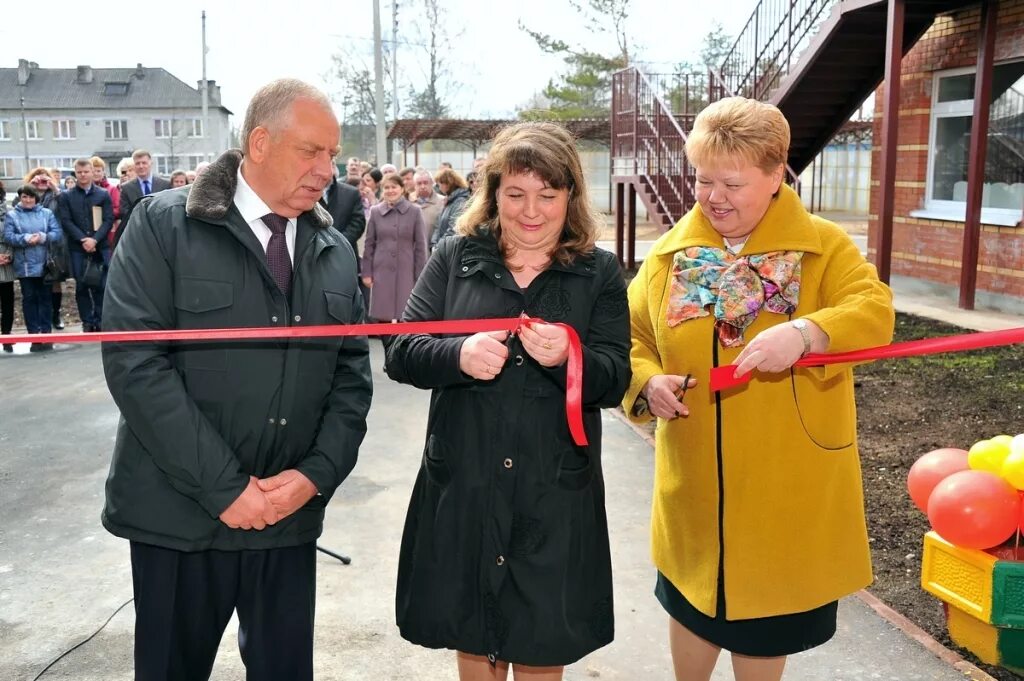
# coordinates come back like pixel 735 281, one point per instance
pixel 988 455
pixel 1013 469
pixel 1017 444
pixel 1002 439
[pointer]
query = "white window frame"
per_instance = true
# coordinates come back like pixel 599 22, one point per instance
pixel 32 130
pixel 195 127
pixel 166 128
pixel 7 167
pixel 64 129
pixel 938 209
pixel 162 165
pixel 5 132
pixel 115 129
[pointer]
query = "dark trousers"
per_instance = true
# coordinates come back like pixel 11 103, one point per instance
pixel 183 602
pixel 6 307
pixel 36 304
pixel 89 298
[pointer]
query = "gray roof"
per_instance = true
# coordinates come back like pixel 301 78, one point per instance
pixel 147 88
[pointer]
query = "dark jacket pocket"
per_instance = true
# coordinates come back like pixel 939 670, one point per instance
pixel 339 306
pixel 575 470
pixel 435 462
pixel 198 296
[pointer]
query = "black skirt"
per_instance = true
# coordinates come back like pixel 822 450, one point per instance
pixel 760 637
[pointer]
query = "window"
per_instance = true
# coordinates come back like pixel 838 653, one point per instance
pixel 115 88
pixel 195 127
pixel 164 127
pixel 116 130
pixel 32 130
pixel 7 167
pixel 5 130
pixel 952 112
pixel 193 160
pixel 64 130
pixel 163 165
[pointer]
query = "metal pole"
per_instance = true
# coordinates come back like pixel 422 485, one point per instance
pixel 378 93
pixel 24 133
pixel 205 92
pixel 976 159
pixel 394 59
pixel 890 128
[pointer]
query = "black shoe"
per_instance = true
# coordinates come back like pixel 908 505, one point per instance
pixel 87 328
pixel 8 347
pixel 58 322
pixel 41 347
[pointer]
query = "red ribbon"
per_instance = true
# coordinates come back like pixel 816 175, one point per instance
pixel 722 377
pixel 574 365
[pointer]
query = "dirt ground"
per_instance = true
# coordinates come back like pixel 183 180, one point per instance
pixel 912 406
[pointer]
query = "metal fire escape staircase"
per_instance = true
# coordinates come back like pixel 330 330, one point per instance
pixel 817 60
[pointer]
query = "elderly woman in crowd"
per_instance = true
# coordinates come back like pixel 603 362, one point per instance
pixel 456 192
pixel 505 554
pixel 42 179
pixel 394 252
pixel 27 229
pixel 758 517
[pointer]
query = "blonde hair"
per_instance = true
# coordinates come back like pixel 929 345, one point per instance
pixel 737 128
pixel 451 178
pixel 98 162
pixel 549 151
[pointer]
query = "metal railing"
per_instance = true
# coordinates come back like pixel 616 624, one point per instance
pixel 770 44
pixel 648 141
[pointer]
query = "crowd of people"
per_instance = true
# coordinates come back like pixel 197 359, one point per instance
pixel 757 525
pixel 58 230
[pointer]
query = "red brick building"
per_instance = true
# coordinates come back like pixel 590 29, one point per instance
pixel 937 93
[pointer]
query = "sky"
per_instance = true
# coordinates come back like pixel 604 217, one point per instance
pixel 250 43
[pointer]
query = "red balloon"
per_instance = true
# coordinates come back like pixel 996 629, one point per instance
pixel 974 509
pixel 931 469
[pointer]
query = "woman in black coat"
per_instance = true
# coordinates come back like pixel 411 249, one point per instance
pixel 456 192
pixel 505 554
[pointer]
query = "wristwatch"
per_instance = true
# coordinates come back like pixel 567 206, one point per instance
pixel 801 326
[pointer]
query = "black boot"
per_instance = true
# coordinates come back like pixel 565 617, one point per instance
pixel 56 300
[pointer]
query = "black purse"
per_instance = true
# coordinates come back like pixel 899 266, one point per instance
pixel 92 274
pixel 57 267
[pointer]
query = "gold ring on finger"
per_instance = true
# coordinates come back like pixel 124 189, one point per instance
pixel 547 345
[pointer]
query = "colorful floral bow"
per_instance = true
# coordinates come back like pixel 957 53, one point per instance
pixel 738 287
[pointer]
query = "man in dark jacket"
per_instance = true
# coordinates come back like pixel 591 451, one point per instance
pixel 86 215
pixel 342 202
pixel 144 184
pixel 227 453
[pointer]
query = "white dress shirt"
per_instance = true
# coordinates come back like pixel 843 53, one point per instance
pixel 252 208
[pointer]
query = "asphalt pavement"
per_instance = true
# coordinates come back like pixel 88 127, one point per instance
pixel 62 575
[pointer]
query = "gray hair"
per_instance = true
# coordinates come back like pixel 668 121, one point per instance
pixel 271 103
pixel 423 172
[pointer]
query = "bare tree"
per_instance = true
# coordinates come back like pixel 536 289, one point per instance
pixel 431 100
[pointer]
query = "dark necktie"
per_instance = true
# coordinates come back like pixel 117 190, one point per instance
pixel 145 187
pixel 278 261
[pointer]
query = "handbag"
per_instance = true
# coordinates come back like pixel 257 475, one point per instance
pixel 57 266
pixel 92 273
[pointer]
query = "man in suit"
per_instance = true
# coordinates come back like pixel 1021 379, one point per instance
pixel 86 215
pixel 144 184
pixel 226 519
pixel 342 201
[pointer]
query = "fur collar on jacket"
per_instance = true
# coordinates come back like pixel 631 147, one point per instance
pixel 213 192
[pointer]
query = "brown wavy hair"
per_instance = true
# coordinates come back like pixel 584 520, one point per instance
pixel 549 151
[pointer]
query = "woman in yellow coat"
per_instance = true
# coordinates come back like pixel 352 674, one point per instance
pixel 758 514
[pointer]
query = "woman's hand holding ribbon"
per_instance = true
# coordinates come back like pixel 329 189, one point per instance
pixel 483 355
pixel 546 343
pixel 773 350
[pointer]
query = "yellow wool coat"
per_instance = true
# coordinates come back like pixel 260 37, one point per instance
pixel 769 469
